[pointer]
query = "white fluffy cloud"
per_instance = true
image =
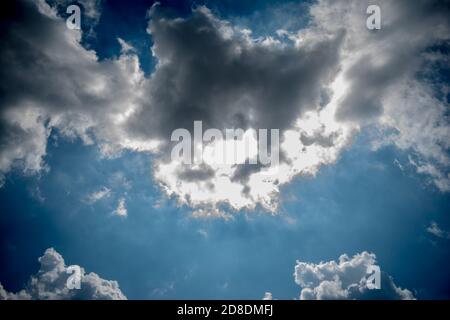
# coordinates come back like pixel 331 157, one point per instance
pixel 345 279
pixel 319 86
pixel 50 283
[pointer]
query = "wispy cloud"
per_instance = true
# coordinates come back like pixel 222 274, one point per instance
pixel 95 196
pixel 121 210
pixel 435 230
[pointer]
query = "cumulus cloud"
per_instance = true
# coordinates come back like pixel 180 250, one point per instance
pixel 373 78
pixel 50 283
pixel 375 62
pixel 317 85
pixel 345 279
pixel 219 74
pixel 207 70
pixel 49 81
pixel 390 76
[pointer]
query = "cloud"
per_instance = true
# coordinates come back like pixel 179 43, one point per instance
pixel 23 140
pixel 212 71
pixel 121 210
pixel 435 230
pixel 376 62
pixel 95 196
pixel 91 8
pixel 137 113
pixel 90 14
pixel 392 76
pixel 440 179
pixel 318 85
pixel 360 78
pixel 268 296
pixel 345 279
pixel 203 233
pixel 50 283
pixel 62 86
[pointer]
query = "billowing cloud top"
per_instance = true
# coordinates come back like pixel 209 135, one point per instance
pixel 345 279
pixel 319 86
pixel 50 283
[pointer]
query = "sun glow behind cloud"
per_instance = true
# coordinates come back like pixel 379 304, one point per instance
pixel 319 85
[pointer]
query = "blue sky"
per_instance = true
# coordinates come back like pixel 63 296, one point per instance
pixel 363 202
pixel 368 199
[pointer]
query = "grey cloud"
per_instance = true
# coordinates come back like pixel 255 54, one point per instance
pixel 380 59
pixel 204 172
pixel 368 83
pixel 48 80
pixel 50 284
pixel 319 137
pixel 23 141
pixel 391 76
pixel 209 71
pixel 243 171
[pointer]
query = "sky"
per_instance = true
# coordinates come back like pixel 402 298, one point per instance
pixel 87 177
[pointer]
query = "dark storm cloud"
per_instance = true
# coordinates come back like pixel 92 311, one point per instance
pixel 210 72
